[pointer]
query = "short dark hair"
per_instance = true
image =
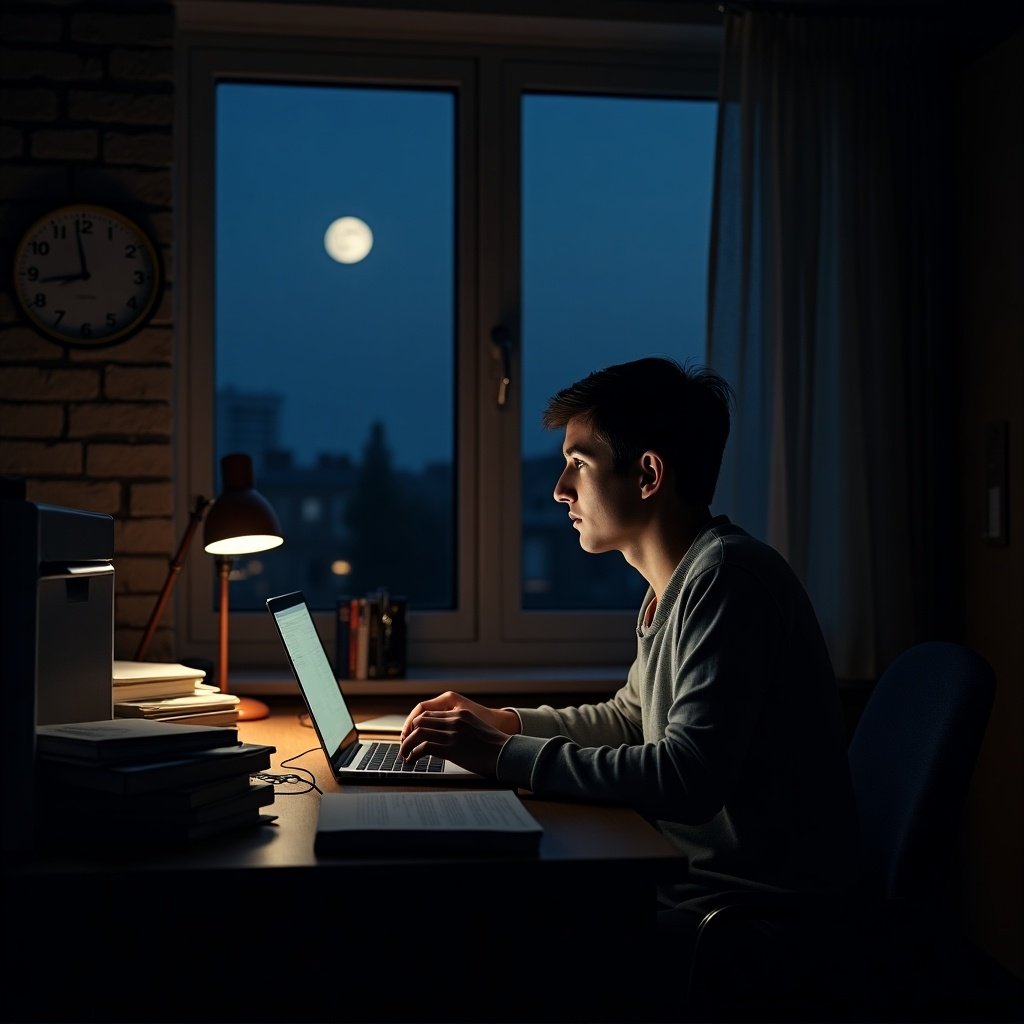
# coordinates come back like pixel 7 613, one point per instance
pixel 655 403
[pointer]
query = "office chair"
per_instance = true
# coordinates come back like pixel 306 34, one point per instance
pixel 888 946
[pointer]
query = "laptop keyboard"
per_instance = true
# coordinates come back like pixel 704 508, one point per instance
pixel 383 757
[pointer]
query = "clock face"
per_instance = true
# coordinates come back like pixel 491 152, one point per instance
pixel 86 276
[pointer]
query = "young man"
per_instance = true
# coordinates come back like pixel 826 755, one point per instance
pixel 727 732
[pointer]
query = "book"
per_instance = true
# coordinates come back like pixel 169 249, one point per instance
pixel 127 739
pixel 67 802
pixel 342 638
pixel 119 836
pixel 390 653
pixel 226 716
pixel 172 801
pixel 163 833
pixel 361 637
pixel 192 703
pixel 148 777
pixel 413 824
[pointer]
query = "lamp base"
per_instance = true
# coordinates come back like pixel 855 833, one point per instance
pixel 249 709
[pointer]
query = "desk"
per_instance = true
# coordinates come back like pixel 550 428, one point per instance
pixel 254 926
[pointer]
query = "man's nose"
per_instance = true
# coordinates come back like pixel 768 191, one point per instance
pixel 561 492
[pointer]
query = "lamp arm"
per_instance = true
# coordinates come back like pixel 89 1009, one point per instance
pixel 174 570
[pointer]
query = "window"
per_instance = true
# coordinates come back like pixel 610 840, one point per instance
pixel 378 235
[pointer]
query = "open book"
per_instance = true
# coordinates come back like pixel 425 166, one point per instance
pixel 403 824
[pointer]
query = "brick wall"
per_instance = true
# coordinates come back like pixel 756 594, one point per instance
pixel 86 114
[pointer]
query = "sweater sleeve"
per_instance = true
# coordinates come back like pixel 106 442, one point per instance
pixel 705 680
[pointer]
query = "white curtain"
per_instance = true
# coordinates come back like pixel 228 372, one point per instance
pixel 830 315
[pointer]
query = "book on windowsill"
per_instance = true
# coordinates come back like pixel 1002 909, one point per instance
pixel 411 824
pixel 114 740
pixel 151 776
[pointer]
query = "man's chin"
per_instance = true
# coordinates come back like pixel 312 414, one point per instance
pixel 593 548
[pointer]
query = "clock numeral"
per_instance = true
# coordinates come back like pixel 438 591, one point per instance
pixel 130 251
pixel 131 303
pixel 111 320
pixel 32 273
pixel 85 330
pixel 139 276
pixel 85 226
pixel 39 247
pixel 60 231
pixel 39 300
pixel 58 316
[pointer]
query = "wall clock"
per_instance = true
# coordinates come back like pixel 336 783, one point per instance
pixel 86 276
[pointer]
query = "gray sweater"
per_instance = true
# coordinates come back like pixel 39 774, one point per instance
pixel 727 733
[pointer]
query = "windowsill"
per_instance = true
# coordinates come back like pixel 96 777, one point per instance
pixel 431 681
pixel 590 679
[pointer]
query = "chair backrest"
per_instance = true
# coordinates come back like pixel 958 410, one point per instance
pixel 912 755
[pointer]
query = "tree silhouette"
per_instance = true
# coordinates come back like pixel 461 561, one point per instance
pixel 400 541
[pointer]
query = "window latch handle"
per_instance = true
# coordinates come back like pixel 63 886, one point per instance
pixel 502 341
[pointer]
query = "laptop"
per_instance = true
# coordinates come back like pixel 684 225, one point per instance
pixel 352 759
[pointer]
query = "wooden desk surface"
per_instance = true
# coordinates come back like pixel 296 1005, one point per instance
pixel 112 929
pixel 574 834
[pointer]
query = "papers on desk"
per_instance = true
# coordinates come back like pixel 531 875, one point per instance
pixel 170 692
pixel 399 824
pixel 384 725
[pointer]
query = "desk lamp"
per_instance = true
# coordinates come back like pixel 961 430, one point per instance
pixel 240 522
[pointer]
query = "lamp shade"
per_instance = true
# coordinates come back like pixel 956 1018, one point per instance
pixel 241 520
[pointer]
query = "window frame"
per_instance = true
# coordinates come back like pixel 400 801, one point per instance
pixel 488 63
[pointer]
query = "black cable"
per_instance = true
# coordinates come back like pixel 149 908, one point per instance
pixel 290 778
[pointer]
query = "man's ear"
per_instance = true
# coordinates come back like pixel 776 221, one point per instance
pixel 652 474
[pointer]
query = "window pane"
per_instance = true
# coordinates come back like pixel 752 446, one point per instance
pixel 335 357
pixel 616 214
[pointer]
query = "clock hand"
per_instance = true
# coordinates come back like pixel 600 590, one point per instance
pixel 83 269
pixel 64 278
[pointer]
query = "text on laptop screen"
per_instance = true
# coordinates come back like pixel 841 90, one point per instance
pixel 307 654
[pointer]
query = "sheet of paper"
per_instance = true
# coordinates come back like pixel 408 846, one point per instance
pixel 141 671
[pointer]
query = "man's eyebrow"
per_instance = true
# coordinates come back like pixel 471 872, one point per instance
pixel 579 449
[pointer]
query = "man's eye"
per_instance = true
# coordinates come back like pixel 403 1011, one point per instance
pixel 577 463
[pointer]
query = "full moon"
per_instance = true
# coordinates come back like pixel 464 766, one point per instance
pixel 348 240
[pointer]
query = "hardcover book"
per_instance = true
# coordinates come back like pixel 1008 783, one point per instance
pixel 127 739
pixel 118 811
pixel 343 637
pixel 171 801
pixel 128 834
pixel 148 777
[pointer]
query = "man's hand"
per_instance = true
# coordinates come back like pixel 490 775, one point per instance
pixel 458 729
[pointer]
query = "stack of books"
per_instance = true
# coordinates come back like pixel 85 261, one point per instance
pixel 370 636
pixel 171 692
pixel 137 781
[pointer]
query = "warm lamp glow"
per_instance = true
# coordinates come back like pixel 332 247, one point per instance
pixel 244 545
